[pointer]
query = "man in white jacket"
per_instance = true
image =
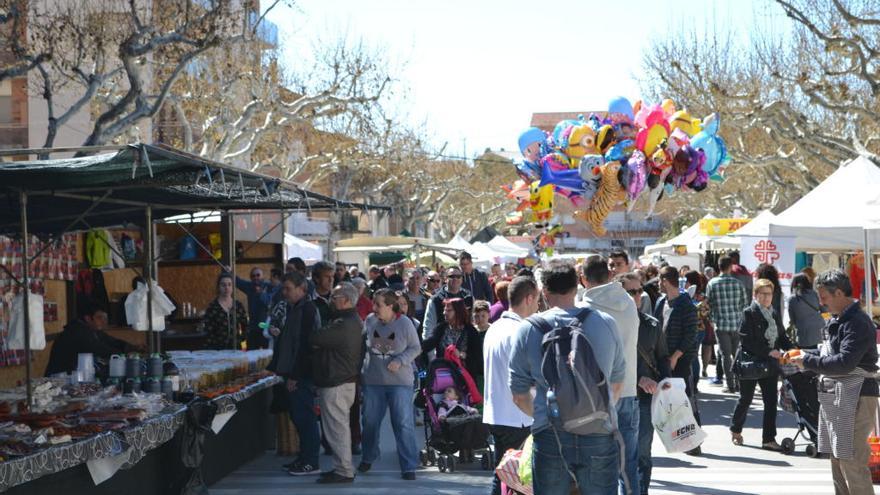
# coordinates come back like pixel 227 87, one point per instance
pixel 609 297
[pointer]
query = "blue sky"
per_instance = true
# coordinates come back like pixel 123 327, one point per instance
pixel 476 70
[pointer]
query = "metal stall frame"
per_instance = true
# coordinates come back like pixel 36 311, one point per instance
pixel 158 181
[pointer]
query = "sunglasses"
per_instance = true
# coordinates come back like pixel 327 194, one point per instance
pixel 434 280
pixel 453 276
pixel 634 292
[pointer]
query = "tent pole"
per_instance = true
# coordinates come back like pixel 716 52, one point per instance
pixel 230 225
pixel 25 285
pixel 869 296
pixel 148 275
pixel 283 235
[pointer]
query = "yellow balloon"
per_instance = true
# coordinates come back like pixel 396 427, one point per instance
pixel 541 199
pixel 668 106
pixel 656 135
pixel 682 120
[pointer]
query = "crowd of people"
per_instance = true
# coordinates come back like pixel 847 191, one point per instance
pixel 354 345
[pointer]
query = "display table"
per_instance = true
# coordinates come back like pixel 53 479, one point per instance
pixel 153 447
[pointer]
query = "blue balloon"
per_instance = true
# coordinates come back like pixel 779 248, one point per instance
pixel 530 136
pixel 714 148
pixel 621 105
pixel 566 179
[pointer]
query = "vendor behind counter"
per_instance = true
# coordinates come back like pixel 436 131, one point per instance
pixel 84 335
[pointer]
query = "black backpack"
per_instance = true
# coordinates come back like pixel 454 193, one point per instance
pixel 578 400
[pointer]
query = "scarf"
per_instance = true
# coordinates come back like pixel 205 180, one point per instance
pixel 772 333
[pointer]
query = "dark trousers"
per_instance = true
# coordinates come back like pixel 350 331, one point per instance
pixel 506 437
pixel 302 413
pixel 768 396
pixel 683 370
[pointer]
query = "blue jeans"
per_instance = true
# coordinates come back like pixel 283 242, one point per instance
pixel 628 424
pixel 646 437
pixel 302 412
pixel 593 459
pixel 696 371
pixel 397 398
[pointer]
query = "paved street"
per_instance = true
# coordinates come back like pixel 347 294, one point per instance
pixel 723 469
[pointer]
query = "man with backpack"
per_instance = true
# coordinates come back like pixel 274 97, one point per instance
pixel 577 378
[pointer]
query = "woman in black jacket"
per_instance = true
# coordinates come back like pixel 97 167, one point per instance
pixel 457 330
pixel 762 336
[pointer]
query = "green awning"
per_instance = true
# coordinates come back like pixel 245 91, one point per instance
pixel 116 187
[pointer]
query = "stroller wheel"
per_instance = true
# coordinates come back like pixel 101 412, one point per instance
pixel 812 451
pixel 787 446
pixel 423 458
pixel 486 462
pixel 441 463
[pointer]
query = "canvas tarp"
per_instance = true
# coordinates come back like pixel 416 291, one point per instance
pixel 836 215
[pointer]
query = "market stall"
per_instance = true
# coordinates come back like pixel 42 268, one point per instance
pixel 78 436
pixel 840 215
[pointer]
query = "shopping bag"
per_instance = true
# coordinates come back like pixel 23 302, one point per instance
pixel 508 471
pixel 525 462
pixel 673 418
pixel 16 323
pixel 136 308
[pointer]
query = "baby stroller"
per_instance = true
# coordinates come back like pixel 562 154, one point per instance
pixel 799 396
pixel 454 433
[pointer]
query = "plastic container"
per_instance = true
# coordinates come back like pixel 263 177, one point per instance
pixel 132 385
pixel 154 366
pixel 153 385
pixel 133 366
pixel 117 366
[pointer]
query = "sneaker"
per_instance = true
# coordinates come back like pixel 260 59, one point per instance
pixel 410 476
pixel 333 477
pixel 364 467
pixel 715 381
pixel 304 469
pixel 286 467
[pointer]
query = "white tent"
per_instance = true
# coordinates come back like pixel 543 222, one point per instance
pixel 758 227
pixel 690 237
pixel 838 214
pixel 458 242
pixel 306 250
pixel 503 247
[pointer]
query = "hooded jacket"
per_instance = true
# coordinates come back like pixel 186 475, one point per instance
pixel 614 301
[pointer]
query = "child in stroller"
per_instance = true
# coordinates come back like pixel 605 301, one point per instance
pixel 451 407
pixel 451 422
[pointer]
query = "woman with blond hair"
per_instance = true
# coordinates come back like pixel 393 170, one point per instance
pixel 762 337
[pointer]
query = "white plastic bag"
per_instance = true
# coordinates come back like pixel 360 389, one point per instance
pixel 136 308
pixel 673 418
pixel 16 323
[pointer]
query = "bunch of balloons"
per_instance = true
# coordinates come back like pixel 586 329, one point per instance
pixel 602 161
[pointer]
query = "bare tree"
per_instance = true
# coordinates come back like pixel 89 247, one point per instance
pixel 794 104
pixel 116 59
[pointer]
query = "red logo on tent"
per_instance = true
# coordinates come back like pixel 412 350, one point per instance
pixel 765 251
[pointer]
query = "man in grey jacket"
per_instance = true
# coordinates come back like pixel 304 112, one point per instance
pixel 338 347
pixel 609 297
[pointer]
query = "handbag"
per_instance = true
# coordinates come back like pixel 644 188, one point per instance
pixel 747 367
